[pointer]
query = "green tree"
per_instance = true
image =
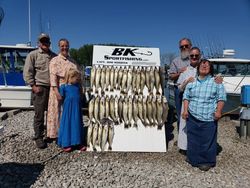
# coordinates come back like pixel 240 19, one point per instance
pixel 83 55
pixel 167 58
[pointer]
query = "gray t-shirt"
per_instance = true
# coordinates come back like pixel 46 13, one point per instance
pixel 177 64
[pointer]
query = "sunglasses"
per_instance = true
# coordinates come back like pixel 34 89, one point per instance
pixel 45 41
pixel 194 55
pixel 184 46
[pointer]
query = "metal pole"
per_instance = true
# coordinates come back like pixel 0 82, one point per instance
pixel 29 43
pixel 242 129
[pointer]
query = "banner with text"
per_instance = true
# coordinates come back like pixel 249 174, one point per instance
pixel 125 55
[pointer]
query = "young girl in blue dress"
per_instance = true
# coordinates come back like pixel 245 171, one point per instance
pixel 71 132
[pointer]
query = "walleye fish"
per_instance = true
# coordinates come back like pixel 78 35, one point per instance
pixel 111 78
pixel 149 110
pixel 144 107
pixel 119 81
pixel 148 79
pixel 112 107
pixel 165 109
pixel 157 80
pixel 129 79
pixel 116 78
pixel 138 80
pixel 106 107
pixel 142 80
pixel 91 110
pixel 140 108
pixel 103 74
pixel 162 73
pixel 116 113
pixel 102 108
pixel 135 110
pixel 154 110
pixel 97 78
pixel 111 134
pixel 125 111
pixel 124 80
pixel 104 136
pixel 107 77
pixel 96 108
pixel 152 79
pixel 89 134
pixel 159 111
pixel 120 105
pixel 130 111
pixel 134 79
pixel 99 135
pixel 94 135
pixel 92 77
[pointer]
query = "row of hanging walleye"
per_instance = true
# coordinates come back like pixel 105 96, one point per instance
pixel 99 134
pixel 123 78
pixel 150 110
pixel 105 112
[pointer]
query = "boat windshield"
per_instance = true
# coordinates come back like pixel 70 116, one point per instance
pixel 232 69
pixel 13 60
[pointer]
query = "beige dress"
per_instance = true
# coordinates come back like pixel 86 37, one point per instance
pixel 59 65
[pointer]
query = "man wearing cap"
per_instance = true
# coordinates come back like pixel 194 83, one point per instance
pixel 36 74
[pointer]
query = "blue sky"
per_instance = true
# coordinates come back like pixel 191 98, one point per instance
pixel 152 23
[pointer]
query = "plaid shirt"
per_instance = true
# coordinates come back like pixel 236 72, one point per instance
pixel 203 96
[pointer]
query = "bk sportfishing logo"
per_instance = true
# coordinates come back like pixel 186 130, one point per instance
pixel 130 52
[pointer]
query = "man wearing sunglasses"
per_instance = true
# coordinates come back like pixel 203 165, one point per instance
pixel 186 77
pixel 36 74
pixel 179 65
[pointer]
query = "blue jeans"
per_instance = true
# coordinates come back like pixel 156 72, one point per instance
pixel 178 103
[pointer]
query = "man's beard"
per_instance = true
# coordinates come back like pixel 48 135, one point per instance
pixel 184 54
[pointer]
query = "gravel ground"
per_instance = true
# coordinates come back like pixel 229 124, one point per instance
pixel 23 165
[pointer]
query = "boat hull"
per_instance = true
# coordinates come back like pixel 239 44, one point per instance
pixel 15 97
pixel 232 105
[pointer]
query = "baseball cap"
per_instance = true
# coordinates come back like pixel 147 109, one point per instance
pixel 43 37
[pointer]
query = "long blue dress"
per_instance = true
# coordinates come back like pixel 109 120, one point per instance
pixel 71 124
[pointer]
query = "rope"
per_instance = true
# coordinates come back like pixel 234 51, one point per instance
pixel 231 111
pixel 52 157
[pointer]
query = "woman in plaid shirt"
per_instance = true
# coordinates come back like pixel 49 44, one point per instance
pixel 203 104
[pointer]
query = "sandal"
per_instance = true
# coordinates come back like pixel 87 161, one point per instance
pixel 83 148
pixel 67 149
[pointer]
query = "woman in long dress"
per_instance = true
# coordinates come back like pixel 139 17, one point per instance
pixel 203 104
pixel 59 65
pixel 71 132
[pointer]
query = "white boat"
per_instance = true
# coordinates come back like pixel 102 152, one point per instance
pixel 13 91
pixel 235 73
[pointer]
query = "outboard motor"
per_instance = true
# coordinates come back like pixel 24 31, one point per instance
pixel 245 112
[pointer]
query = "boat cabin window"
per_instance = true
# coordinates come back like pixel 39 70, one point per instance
pixel 232 69
pixel 13 60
